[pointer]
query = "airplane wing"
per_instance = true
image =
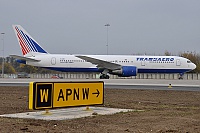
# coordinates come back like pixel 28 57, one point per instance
pixel 24 58
pixel 101 63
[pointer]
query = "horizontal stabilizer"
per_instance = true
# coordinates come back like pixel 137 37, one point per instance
pixel 24 58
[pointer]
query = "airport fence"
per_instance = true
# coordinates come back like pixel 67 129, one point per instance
pixel 187 76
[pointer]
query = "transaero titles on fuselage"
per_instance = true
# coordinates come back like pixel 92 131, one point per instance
pixel 154 59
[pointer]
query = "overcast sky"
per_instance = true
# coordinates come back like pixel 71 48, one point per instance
pixel 77 26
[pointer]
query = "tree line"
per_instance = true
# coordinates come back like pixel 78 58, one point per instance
pixel 13 67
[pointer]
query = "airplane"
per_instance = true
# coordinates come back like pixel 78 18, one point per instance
pixel 121 65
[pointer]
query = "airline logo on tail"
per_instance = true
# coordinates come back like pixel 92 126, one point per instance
pixel 26 42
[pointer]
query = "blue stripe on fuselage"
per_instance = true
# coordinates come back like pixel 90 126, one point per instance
pixel 73 69
pixel 97 70
pixel 163 70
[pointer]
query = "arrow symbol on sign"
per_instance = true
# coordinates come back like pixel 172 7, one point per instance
pixel 97 93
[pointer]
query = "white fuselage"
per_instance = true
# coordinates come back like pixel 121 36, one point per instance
pixel 144 64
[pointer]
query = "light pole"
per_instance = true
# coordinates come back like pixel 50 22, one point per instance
pixel 107 25
pixel 3 55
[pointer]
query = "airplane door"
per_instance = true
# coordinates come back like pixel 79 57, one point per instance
pixel 178 62
pixel 142 63
pixel 53 61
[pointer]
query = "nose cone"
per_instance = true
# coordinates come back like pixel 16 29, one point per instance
pixel 193 66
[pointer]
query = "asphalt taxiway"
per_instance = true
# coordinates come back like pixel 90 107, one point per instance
pixel 155 84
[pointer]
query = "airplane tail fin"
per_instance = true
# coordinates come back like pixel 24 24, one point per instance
pixel 28 45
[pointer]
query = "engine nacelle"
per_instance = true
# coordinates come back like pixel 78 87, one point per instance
pixel 126 71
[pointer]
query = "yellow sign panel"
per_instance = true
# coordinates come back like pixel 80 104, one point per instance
pixel 77 94
pixel 65 94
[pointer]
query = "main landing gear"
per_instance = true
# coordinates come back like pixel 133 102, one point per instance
pixel 104 76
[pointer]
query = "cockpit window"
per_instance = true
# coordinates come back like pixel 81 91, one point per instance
pixel 188 61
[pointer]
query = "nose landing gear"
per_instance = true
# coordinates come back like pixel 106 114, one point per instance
pixel 181 76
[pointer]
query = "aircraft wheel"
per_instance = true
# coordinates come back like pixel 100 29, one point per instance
pixel 103 76
pixel 107 76
pixel 180 78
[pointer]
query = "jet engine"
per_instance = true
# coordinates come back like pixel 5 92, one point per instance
pixel 125 71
